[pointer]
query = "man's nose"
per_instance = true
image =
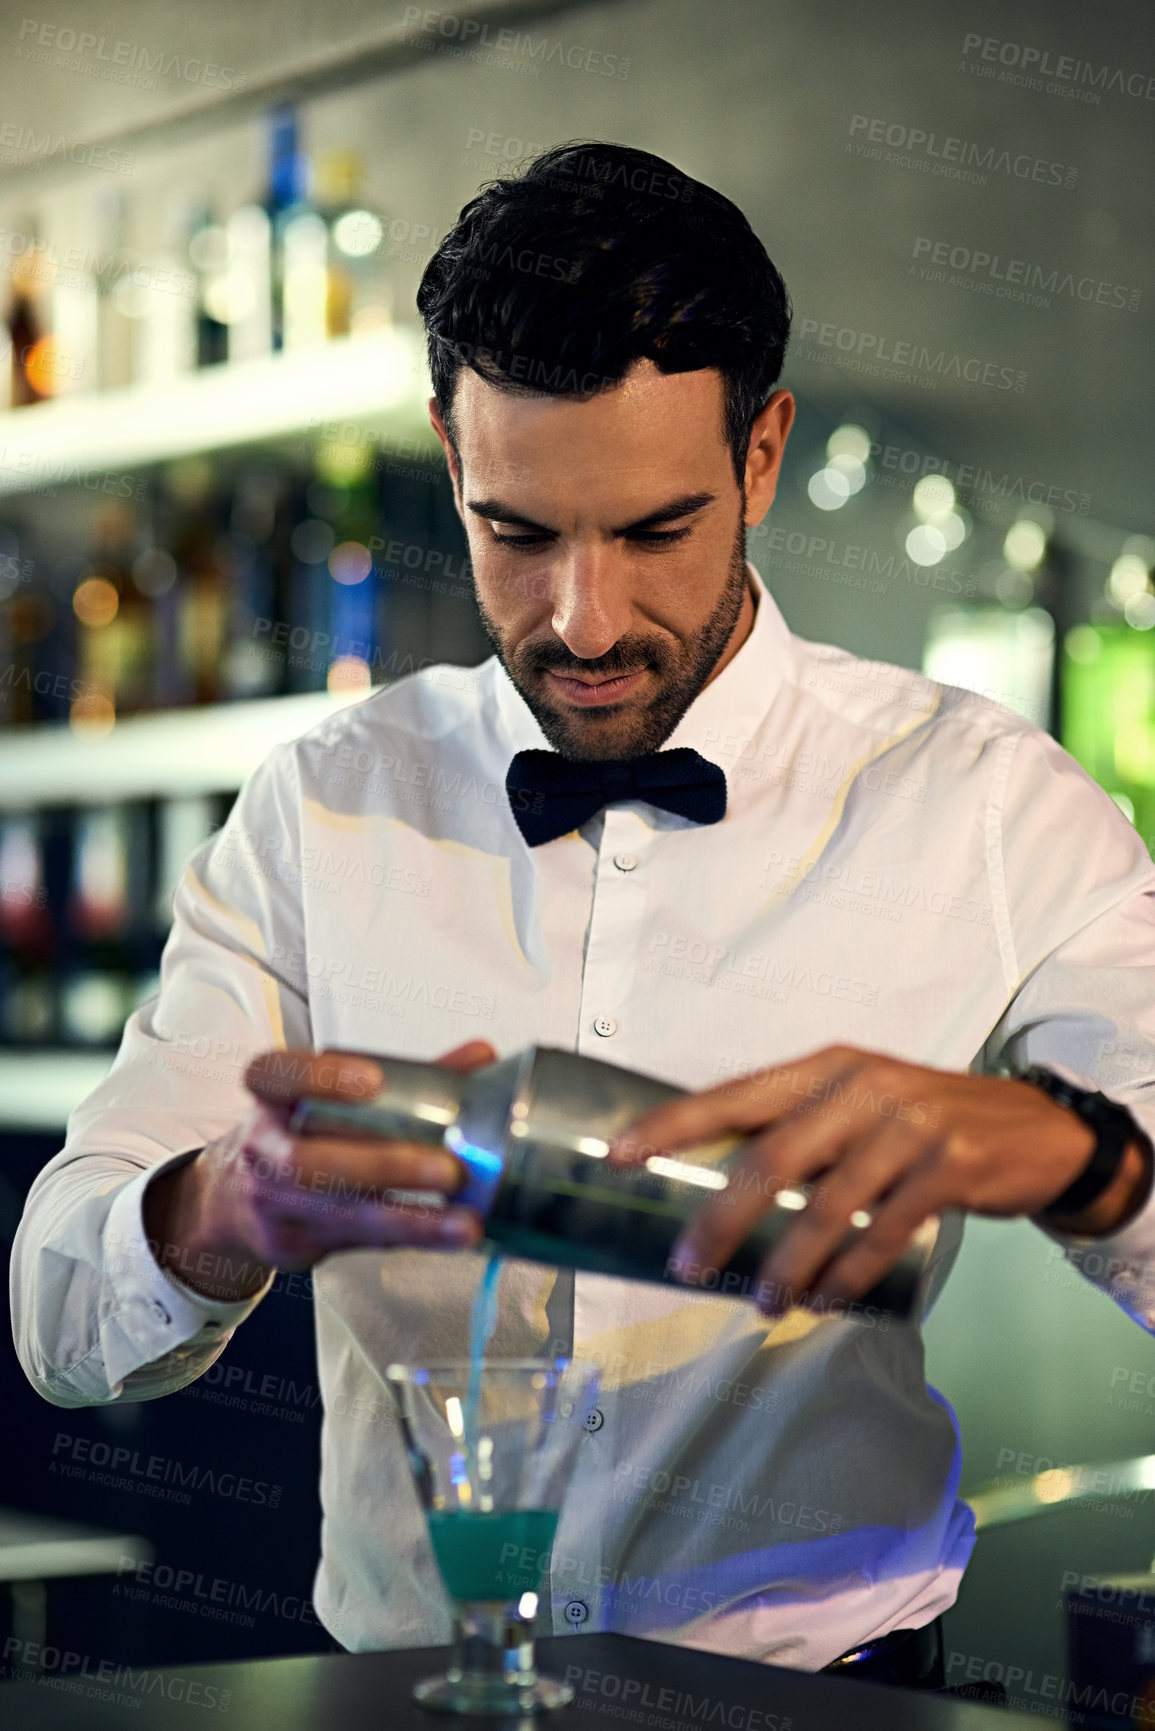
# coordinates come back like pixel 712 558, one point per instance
pixel 591 609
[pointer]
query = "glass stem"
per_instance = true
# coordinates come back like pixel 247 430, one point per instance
pixel 492 1643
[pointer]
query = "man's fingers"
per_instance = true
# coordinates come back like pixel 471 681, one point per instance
pixel 781 1159
pixel 320 1193
pixel 353 1170
pixel 429 1228
pixel 874 1162
pixel 370 1227
pixel 469 1056
pixel 283 1077
pixel 294 1240
pixel 760 1100
pixel 895 1224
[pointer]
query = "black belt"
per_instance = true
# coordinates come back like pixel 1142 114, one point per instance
pixel 908 1658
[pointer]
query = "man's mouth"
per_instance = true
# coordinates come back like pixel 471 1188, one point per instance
pixel 590 693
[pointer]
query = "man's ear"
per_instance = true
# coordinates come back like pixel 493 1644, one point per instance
pixel 439 428
pixel 768 437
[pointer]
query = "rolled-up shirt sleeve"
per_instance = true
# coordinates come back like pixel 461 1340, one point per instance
pixel 95 1318
pixel 1078 896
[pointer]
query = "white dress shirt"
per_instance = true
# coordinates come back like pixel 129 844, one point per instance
pixel 902 866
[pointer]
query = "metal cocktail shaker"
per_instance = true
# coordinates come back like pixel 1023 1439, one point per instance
pixel 533 1131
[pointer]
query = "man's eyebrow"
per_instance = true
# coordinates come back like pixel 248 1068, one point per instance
pixel 494 511
pixel 684 506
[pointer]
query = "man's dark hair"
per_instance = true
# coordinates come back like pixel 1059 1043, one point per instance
pixel 557 279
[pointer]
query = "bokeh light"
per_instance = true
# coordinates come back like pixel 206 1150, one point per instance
pixel 933 497
pixel 1024 545
pixel 348 673
pixel 853 468
pixel 1083 644
pixel 1140 611
pixel 926 544
pixel 154 572
pixel 358 233
pixel 42 366
pixel 350 562
pixel 92 715
pixel 849 440
pixel 828 489
pixel 312 541
pixel 1129 579
pixel 95 602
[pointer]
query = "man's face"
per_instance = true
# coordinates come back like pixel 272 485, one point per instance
pixel 607 544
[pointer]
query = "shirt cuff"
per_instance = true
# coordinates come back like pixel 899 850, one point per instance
pixel 155 1309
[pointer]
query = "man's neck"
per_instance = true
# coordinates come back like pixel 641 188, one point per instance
pixel 741 631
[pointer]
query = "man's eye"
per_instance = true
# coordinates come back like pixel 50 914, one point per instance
pixel 520 540
pixel 645 537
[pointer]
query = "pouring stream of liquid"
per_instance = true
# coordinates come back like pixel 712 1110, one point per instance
pixel 483 1321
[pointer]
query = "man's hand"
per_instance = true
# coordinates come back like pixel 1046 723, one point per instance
pixel 863 1131
pixel 259 1199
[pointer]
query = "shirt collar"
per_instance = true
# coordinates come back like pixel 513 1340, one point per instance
pixel 731 707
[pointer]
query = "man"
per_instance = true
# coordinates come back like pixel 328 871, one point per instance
pixel 605 337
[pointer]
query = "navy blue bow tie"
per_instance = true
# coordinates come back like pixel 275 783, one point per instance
pixel 550 795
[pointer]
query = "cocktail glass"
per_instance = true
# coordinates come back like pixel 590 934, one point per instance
pixel 491 1474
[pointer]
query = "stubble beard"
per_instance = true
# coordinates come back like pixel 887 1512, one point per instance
pixel 613 732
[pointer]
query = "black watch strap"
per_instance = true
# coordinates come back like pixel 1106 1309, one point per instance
pixel 1115 1129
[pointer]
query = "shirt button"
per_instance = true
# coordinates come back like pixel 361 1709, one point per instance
pixel 595 1421
pixel 159 1311
pixel 605 1026
pixel 576 1613
pixel 625 862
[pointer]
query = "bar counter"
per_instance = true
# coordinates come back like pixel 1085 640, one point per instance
pixel 622 1681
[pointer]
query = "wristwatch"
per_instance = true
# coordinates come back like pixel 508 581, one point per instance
pixel 1115 1129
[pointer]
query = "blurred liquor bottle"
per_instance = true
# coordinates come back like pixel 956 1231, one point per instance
pixel 335 590
pixel 168 298
pixel 208 256
pixel 68 359
pixel 247 298
pixel 31 370
pixel 116 637
pixel 117 335
pixel 1005 654
pixel 346 483
pixel 252 664
pixel 1004 646
pixel 28 627
pixel 297 239
pixel 308 595
pixel 192 511
pixel 110 949
pixel 155 577
pixel 181 827
pixel 233 284
pixel 234 578
pixel 1109 713
pixel 7 350
pixel 27 994
pixel 358 291
pixel 85 909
